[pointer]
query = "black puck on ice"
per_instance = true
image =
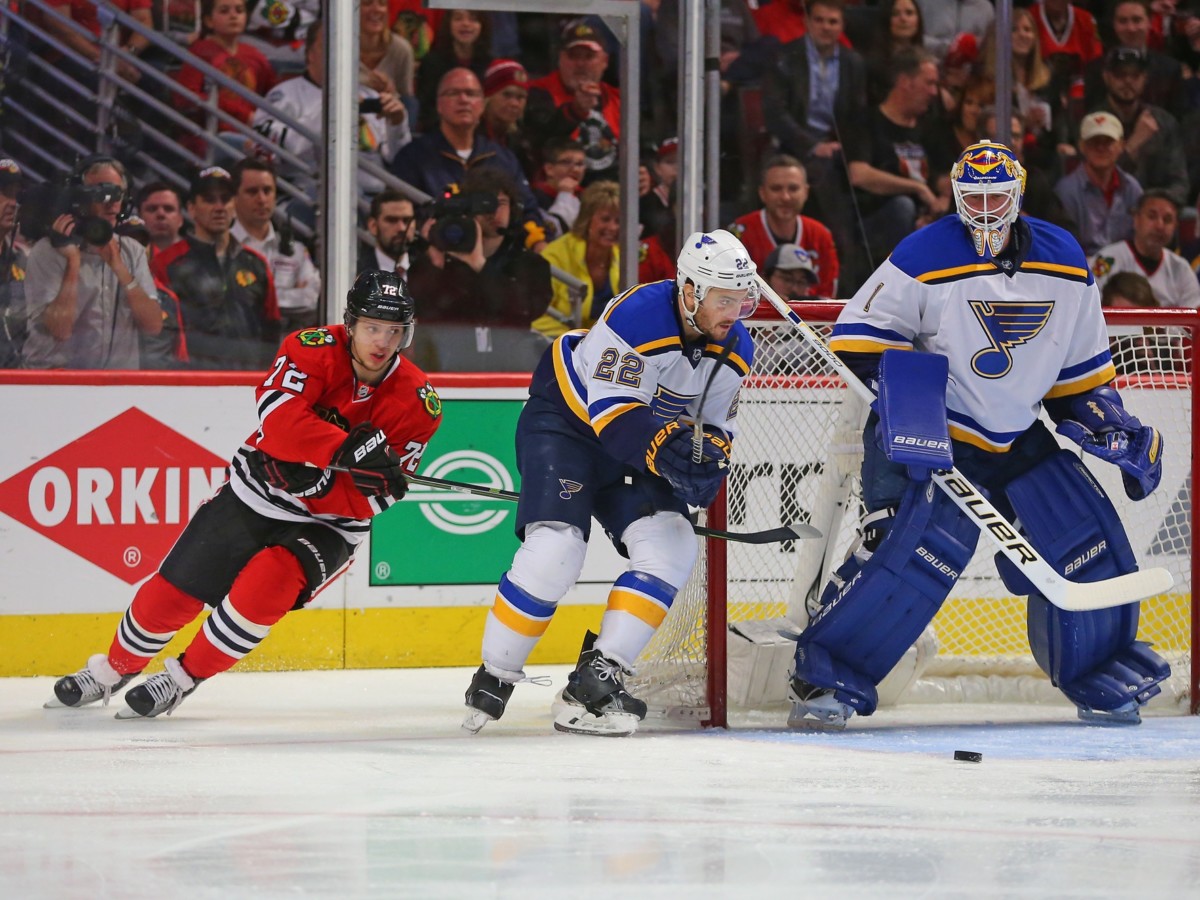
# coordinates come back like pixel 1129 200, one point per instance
pixel 968 756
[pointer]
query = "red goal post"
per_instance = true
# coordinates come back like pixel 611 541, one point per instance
pixel 797 458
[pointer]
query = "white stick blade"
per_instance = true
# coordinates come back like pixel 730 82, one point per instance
pixel 1080 597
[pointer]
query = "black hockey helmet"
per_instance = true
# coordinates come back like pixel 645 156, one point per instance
pixel 382 295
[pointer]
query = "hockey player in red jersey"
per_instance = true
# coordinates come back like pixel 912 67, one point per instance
pixel 288 520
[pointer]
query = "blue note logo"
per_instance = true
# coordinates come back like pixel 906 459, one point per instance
pixel 1006 325
pixel 568 488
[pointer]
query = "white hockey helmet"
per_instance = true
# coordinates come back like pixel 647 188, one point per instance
pixel 717 259
pixel 988 184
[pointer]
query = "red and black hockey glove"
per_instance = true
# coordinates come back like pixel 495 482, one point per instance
pixel 297 479
pixel 376 469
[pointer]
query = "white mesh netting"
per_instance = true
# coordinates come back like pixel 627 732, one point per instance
pixel 797 459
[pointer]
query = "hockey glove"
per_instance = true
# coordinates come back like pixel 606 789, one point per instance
pixel 1103 428
pixel 376 469
pixel 913 429
pixel 670 456
pixel 297 479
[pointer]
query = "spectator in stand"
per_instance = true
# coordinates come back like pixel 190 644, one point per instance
pixel 87 296
pixel 477 305
pixel 815 91
pixel 1128 290
pixel 1154 152
pixel 168 348
pixel 223 22
pixel 959 67
pixel 1041 100
pixel 1164 74
pixel 898 26
pixel 12 267
pixel 160 206
pixel 416 24
pixel 558 186
pixel 946 20
pixel 591 253
pixel 948 139
pixel 279 28
pixel 1147 252
pixel 1135 349
pixel 573 101
pixel 889 165
pixel 463 41
pixel 783 190
pixel 226 293
pixel 656 203
pixel 505 92
pixel 380 134
pixel 783 20
pixel 1098 196
pixel 789 270
pixel 654 263
pixel 392 222
pixel 1068 38
pixel 86 13
pixel 297 282
pixel 385 59
pixel 437 162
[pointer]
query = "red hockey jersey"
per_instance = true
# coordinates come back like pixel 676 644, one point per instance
pixel 308 402
pixel 751 229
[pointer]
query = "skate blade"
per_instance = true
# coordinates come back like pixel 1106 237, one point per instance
pixel 577 720
pixel 801 718
pixel 55 703
pixel 130 713
pixel 474 720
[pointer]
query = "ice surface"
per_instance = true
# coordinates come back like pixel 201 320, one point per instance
pixel 361 784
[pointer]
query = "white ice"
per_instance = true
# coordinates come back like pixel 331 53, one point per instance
pixel 362 784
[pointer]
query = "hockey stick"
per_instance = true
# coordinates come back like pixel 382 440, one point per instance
pixel 1065 594
pixel 796 531
pixel 698 425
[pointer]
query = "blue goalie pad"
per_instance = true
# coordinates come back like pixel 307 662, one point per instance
pixel 912 411
pixel 874 610
pixel 1092 657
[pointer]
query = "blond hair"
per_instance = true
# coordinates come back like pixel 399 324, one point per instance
pixel 596 196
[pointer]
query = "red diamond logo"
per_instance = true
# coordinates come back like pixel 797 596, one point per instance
pixel 119 495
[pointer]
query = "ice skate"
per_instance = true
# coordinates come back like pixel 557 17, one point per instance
pixel 159 693
pixel 486 698
pixel 595 700
pixel 95 681
pixel 816 709
pixel 1124 715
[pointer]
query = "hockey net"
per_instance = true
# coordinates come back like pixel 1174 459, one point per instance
pixel 797 458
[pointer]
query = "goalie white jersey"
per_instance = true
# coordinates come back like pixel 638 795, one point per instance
pixel 632 372
pixel 1016 331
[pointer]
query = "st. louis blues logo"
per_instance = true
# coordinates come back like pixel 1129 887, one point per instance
pixel 1006 325
pixel 568 488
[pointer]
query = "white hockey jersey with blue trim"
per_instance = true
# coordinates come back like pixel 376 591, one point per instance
pixel 1012 340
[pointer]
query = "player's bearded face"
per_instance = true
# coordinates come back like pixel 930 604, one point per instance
pixel 719 311
pixel 373 343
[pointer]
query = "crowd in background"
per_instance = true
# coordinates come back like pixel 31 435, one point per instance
pixel 839 124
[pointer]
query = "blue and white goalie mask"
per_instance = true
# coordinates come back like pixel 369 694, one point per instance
pixel 988 184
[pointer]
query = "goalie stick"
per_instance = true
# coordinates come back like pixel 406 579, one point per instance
pixel 1070 595
pixel 796 531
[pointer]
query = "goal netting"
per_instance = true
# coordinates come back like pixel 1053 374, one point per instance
pixel 797 459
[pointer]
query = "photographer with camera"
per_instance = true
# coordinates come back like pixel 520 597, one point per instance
pixel 478 289
pixel 88 291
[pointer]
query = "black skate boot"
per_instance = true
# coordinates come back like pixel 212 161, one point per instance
pixel 595 700
pixel 486 698
pixel 159 693
pixel 95 681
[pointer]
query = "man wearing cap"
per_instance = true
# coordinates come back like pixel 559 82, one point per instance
pixel 505 92
pixel 88 290
pixel 574 101
pixel 783 190
pixel 1164 74
pixel 790 273
pixel 1099 196
pixel 12 268
pixel 1153 140
pixel 226 292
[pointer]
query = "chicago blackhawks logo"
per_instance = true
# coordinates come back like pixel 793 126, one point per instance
pixel 244 278
pixel 429 397
pixel 315 337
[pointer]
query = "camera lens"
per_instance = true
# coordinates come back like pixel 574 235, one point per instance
pixel 94 230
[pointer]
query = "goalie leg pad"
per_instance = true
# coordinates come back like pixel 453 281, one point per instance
pixel 1092 657
pixel 875 609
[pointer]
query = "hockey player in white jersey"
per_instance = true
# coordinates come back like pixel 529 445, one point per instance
pixel 1005 318
pixel 607 433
